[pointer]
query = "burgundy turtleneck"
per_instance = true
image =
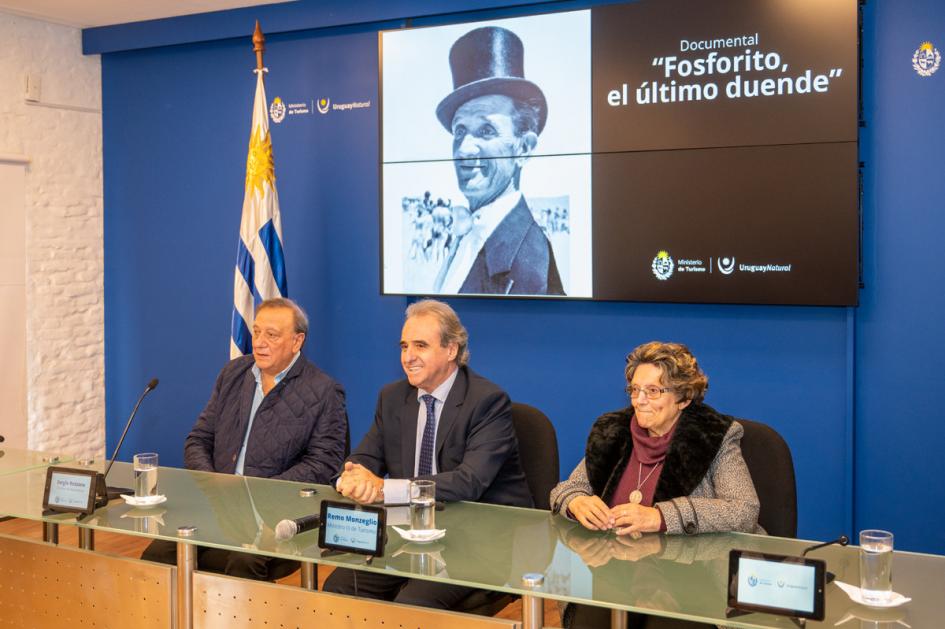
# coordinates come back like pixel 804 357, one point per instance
pixel 645 465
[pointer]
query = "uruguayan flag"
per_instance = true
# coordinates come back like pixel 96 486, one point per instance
pixel 260 265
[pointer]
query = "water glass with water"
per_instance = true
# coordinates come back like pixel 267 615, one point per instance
pixel 146 474
pixel 876 555
pixel 422 505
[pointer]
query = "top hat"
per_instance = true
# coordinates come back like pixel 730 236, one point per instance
pixel 489 60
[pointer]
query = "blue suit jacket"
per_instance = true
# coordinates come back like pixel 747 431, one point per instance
pixel 516 259
pixel 476 449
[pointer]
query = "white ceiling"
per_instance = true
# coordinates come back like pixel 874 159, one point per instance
pixel 85 13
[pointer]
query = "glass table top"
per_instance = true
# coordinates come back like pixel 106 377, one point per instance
pixel 13 460
pixel 491 547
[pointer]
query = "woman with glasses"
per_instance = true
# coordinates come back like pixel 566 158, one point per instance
pixel 667 463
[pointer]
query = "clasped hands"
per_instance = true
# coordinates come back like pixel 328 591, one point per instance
pixel 596 551
pixel 626 519
pixel 360 484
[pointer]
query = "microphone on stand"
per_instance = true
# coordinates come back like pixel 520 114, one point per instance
pixel 287 529
pixel 843 540
pixel 104 493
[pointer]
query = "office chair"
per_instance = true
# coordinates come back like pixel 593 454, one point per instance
pixel 769 461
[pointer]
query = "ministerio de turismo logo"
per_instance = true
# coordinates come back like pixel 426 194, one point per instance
pixel 323 105
pixel 926 59
pixel 663 265
pixel 277 110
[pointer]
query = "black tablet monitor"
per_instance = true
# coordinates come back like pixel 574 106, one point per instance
pixel 776 584
pixel 69 490
pixel 352 528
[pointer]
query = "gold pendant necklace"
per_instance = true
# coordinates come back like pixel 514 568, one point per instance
pixel 636 496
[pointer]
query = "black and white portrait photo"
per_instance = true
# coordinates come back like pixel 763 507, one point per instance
pixel 486 135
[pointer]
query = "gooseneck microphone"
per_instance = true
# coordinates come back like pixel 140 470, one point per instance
pixel 114 492
pixel 843 540
pixel 287 529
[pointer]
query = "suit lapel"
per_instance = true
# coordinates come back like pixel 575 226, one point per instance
pixel 451 410
pixel 408 430
pixel 503 244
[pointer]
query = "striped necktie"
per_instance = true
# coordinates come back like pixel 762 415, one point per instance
pixel 429 432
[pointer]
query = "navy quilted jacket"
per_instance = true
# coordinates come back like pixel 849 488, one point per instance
pixel 298 434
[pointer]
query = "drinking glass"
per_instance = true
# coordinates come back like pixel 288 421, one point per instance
pixel 876 555
pixel 422 505
pixel 146 474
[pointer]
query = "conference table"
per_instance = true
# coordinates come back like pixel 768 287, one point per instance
pixel 523 552
pixel 14 460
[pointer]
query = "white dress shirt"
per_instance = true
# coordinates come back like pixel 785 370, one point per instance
pixel 397 490
pixel 484 222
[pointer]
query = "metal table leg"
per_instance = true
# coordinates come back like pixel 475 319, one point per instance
pixel 51 532
pixel 618 619
pixel 186 564
pixel 309 575
pixel 533 607
pixel 86 538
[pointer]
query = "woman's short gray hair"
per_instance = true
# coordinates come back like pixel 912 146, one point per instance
pixel 451 329
pixel 680 368
pixel 301 319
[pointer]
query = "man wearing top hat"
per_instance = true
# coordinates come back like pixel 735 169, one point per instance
pixel 495 116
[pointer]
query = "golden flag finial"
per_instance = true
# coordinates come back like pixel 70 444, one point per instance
pixel 258 46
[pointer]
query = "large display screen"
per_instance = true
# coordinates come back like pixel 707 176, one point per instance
pixel 662 150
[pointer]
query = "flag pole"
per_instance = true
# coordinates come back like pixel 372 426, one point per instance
pixel 259 46
pixel 260 272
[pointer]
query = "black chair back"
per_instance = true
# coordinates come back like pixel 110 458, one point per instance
pixel 538 450
pixel 772 470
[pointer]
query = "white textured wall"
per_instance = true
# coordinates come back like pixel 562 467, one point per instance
pixel 64 294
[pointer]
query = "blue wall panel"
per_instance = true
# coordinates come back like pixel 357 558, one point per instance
pixel 176 126
pixel 900 341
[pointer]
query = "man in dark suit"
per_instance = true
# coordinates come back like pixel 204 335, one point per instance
pixel 444 423
pixel 495 116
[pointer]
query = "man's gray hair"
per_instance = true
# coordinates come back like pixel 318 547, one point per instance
pixel 301 319
pixel 451 329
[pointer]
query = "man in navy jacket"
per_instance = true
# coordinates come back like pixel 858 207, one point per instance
pixel 273 414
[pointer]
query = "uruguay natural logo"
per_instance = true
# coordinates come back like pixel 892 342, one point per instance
pixel 726 265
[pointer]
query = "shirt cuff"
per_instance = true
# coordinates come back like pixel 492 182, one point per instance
pixel 396 491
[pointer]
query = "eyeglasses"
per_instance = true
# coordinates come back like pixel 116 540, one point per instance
pixel 652 391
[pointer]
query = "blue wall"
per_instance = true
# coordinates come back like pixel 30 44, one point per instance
pixel 842 385
pixel 900 337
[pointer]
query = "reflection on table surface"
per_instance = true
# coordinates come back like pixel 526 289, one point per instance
pixel 491 547
pixel 13 460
